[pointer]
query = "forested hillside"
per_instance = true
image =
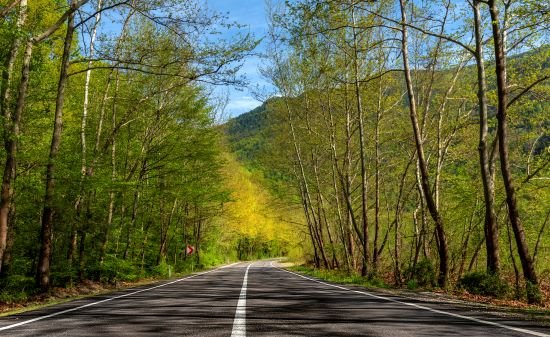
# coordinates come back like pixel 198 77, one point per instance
pixel 415 136
pixel 248 134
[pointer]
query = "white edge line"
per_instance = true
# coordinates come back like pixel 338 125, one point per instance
pixel 239 323
pixel 107 299
pixel 477 320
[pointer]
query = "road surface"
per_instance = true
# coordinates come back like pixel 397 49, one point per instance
pixel 258 299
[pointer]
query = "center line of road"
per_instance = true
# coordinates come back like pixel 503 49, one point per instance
pixel 108 299
pixel 239 323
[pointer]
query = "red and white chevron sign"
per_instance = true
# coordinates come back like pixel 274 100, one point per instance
pixel 189 250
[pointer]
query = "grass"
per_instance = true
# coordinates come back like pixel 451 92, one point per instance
pixel 341 277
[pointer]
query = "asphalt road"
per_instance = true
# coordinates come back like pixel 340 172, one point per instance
pixel 258 299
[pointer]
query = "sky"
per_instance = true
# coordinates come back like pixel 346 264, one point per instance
pixel 252 14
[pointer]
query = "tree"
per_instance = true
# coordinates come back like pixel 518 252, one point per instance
pixel 434 212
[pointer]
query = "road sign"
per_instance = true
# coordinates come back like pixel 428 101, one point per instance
pixel 189 250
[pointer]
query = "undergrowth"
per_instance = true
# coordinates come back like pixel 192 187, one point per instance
pixel 341 277
pixel 19 289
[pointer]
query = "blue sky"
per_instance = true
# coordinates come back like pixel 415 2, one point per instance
pixel 249 13
pixel 252 14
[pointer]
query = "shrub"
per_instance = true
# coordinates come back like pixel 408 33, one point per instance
pixel 18 282
pixel 421 275
pixel 412 284
pixel 482 283
pixel 533 292
pixel 373 280
pixel 17 288
pixel 116 269
pixel 163 269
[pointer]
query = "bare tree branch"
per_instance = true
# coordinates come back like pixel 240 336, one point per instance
pixel 526 90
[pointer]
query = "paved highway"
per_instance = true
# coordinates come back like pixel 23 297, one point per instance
pixel 258 299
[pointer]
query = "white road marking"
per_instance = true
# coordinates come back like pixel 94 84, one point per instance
pixel 477 320
pixel 239 323
pixel 107 300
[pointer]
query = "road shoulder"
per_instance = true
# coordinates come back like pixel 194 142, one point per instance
pixel 533 314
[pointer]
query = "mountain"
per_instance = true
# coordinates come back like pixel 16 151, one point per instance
pixel 247 134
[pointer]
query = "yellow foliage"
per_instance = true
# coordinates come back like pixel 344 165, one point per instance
pixel 252 212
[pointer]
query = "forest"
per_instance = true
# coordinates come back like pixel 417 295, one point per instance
pixel 113 158
pixel 404 142
pixel 414 135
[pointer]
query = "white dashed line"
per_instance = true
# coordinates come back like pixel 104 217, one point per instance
pixel 239 323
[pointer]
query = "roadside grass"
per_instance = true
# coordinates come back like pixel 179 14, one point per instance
pixel 340 277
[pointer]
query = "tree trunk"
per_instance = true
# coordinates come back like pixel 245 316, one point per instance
pixel 302 177
pixel 334 169
pixel 346 182
pixel 107 226
pixel 441 237
pixel 8 253
pixel 81 254
pixel 84 120
pixel 377 181
pixel 359 106
pixel 11 130
pixel 198 239
pixel 164 233
pixel 491 226
pixel 533 291
pixel 84 170
pixel 43 271
pixel 132 223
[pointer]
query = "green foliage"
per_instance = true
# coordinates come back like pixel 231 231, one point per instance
pixel 376 282
pixel 339 137
pixel 421 275
pixel 16 288
pixel 163 269
pixel 412 284
pixel 157 176
pixel 116 269
pixel 140 174
pixel 340 277
pixel 533 292
pixel 482 283
pixel 210 258
pixel 250 138
pixel 252 224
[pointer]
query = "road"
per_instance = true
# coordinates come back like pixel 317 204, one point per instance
pixel 258 299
